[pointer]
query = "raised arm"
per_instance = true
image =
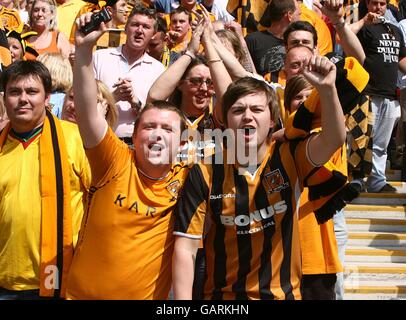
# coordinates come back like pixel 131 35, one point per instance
pixel 92 124
pixel 219 74
pixel 348 39
pixel 321 73
pixel 369 18
pixel 168 81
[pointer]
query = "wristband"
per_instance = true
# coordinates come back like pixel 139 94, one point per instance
pixel 190 54
pixel 339 24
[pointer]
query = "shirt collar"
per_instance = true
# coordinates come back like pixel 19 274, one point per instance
pixel 145 58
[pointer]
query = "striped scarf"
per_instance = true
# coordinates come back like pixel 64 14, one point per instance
pixel 56 221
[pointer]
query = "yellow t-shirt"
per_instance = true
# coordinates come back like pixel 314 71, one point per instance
pixel 20 205
pixel 126 243
pixel 66 14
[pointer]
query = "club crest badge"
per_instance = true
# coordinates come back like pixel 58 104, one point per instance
pixel 275 181
pixel 173 189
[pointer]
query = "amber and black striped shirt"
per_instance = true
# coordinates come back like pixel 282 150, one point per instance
pixel 252 243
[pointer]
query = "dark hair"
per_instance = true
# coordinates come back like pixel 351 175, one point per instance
pixel 293 86
pixel 300 26
pixel 161 25
pixel 23 69
pixel 181 9
pixel 277 8
pixel 161 105
pixel 176 96
pixel 144 11
pixel 245 86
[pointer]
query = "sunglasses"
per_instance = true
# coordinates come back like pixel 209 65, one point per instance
pixel 199 81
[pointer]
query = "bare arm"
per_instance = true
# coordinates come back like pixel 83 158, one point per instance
pixel 168 81
pixel 92 124
pixel 183 267
pixel 402 65
pixel 63 45
pixel 248 64
pixel 321 73
pixel 348 39
pixel 369 18
pixel 219 74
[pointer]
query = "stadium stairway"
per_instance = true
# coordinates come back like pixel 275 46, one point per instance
pixel 375 260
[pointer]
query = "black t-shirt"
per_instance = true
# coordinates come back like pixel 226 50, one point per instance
pixel 267 52
pixel 384 48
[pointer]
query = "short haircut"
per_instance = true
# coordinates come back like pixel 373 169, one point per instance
pixel 60 70
pixel 24 69
pixel 161 25
pixel 293 87
pixel 181 9
pixel 164 106
pixel 277 8
pixel 300 26
pixel 245 86
pixel 144 11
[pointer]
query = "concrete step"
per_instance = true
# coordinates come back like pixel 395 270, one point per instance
pixel 380 199
pixel 380 289
pixel 376 225
pixel 374 268
pixel 392 175
pixel 374 296
pixel 369 254
pixel 374 211
pixel 376 239
pixel 393 288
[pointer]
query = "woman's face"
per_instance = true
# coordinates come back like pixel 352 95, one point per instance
pixel 41 14
pixel 16 49
pixel 300 98
pixel 197 89
pixel 68 108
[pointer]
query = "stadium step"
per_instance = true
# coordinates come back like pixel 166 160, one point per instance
pixel 375 260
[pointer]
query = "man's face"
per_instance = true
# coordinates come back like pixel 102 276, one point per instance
pixel 294 60
pixel 156 45
pixel 139 30
pixel 188 4
pixel 377 6
pixel 120 12
pixel 180 24
pixel 25 100
pixel 300 38
pixel 157 138
pixel 250 119
pixel 295 16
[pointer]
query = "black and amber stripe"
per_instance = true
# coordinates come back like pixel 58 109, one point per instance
pixel 59 199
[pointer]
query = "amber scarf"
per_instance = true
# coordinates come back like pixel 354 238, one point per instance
pixel 56 221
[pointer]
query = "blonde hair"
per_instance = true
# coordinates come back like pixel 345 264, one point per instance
pixel 103 92
pixel 53 25
pixel 60 70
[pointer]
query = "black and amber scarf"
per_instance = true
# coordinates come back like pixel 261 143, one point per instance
pixel 56 249
pixel 334 192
